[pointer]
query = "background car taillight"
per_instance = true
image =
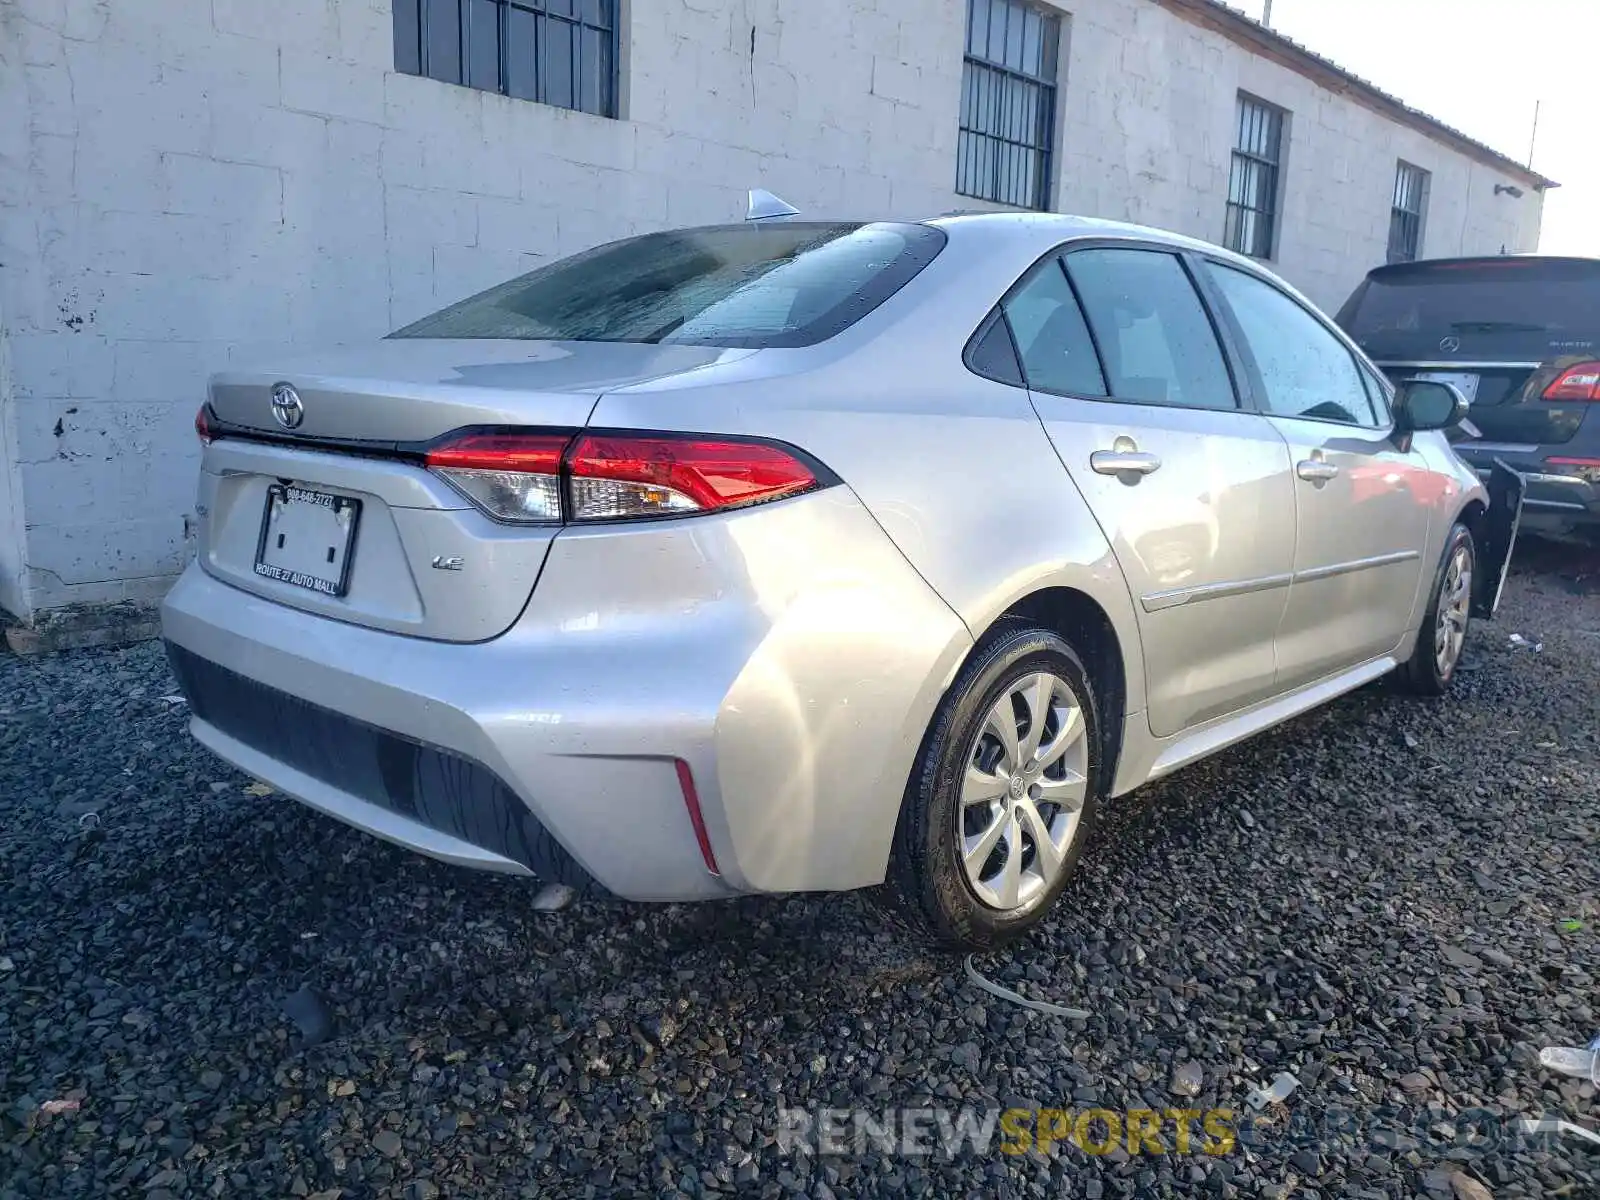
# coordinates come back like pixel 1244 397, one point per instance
pixel 1587 469
pixel 511 476
pixel 1580 382
pixel 547 477
pixel 202 425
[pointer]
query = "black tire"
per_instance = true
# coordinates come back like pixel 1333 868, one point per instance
pixel 1421 674
pixel 926 887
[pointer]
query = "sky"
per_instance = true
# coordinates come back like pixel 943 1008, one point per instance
pixel 1479 66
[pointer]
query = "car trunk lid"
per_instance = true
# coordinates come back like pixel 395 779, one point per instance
pixel 331 511
pixel 408 391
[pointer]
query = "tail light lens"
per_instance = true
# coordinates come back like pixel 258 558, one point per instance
pixel 1580 382
pixel 511 476
pixel 1582 468
pixel 202 425
pixel 550 477
pixel 616 476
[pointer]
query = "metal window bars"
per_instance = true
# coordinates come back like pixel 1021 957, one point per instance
pixel 1008 102
pixel 1405 213
pixel 559 52
pixel 1252 214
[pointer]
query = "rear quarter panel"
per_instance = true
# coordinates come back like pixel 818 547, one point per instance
pixel 956 469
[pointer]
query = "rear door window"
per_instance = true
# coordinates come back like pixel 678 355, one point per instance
pixel 1154 336
pixel 755 285
pixel 1305 371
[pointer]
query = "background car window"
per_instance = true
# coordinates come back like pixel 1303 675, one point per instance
pixel 1057 354
pixel 1305 370
pixel 1501 309
pixel 1157 342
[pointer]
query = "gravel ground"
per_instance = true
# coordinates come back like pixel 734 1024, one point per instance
pixel 1379 898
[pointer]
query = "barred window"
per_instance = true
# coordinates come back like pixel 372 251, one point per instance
pixel 560 52
pixel 1253 180
pixel 1405 215
pixel 1008 103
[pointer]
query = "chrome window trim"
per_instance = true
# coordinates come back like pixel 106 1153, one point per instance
pixel 1456 366
pixel 1482 447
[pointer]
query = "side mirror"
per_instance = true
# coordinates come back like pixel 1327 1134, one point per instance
pixel 1422 404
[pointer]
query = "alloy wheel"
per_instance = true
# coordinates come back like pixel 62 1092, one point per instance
pixel 1023 792
pixel 1455 601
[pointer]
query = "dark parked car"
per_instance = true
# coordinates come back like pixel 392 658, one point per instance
pixel 1520 336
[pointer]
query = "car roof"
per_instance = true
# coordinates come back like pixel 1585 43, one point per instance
pixel 1013 229
pixel 1480 259
pixel 1050 229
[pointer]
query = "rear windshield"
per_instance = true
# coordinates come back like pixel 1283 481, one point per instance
pixel 1490 308
pixel 754 285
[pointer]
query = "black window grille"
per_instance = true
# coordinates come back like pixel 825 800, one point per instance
pixel 560 52
pixel 1405 216
pixel 1008 103
pixel 1253 180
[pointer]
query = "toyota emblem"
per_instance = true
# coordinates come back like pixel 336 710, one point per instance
pixel 1450 344
pixel 287 408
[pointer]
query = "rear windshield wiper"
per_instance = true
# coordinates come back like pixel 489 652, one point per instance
pixel 1497 327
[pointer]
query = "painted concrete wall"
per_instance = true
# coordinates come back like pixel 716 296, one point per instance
pixel 1148 126
pixel 190 183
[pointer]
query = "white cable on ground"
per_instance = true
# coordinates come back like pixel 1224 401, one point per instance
pixel 1005 993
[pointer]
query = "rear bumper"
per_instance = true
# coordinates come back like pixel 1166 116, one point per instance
pixel 1556 493
pixel 787 654
pixel 404 790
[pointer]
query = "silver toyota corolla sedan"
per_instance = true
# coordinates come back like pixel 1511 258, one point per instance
pixel 793 556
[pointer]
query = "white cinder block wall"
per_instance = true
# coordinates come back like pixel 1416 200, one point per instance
pixel 189 183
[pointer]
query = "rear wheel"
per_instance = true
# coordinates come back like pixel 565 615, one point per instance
pixel 1002 795
pixel 1437 653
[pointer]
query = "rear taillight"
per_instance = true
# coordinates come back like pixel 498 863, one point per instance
pixel 202 425
pixel 548 477
pixel 1580 382
pixel 1585 469
pixel 511 476
pixel 628 475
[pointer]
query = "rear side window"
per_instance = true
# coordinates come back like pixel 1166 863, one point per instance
pixel 1488 309
pixel 752 285
pixel 1057 353
pixel 1155 339
pixel 1305 371
pixel 993 356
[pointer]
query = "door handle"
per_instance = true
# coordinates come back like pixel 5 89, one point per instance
pixel 1123 462
pixel 1315 470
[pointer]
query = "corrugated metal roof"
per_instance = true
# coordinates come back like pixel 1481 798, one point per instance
pixel 1252 33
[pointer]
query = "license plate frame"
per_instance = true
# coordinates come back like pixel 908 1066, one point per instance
pixel 338 529
pixel 1464 381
